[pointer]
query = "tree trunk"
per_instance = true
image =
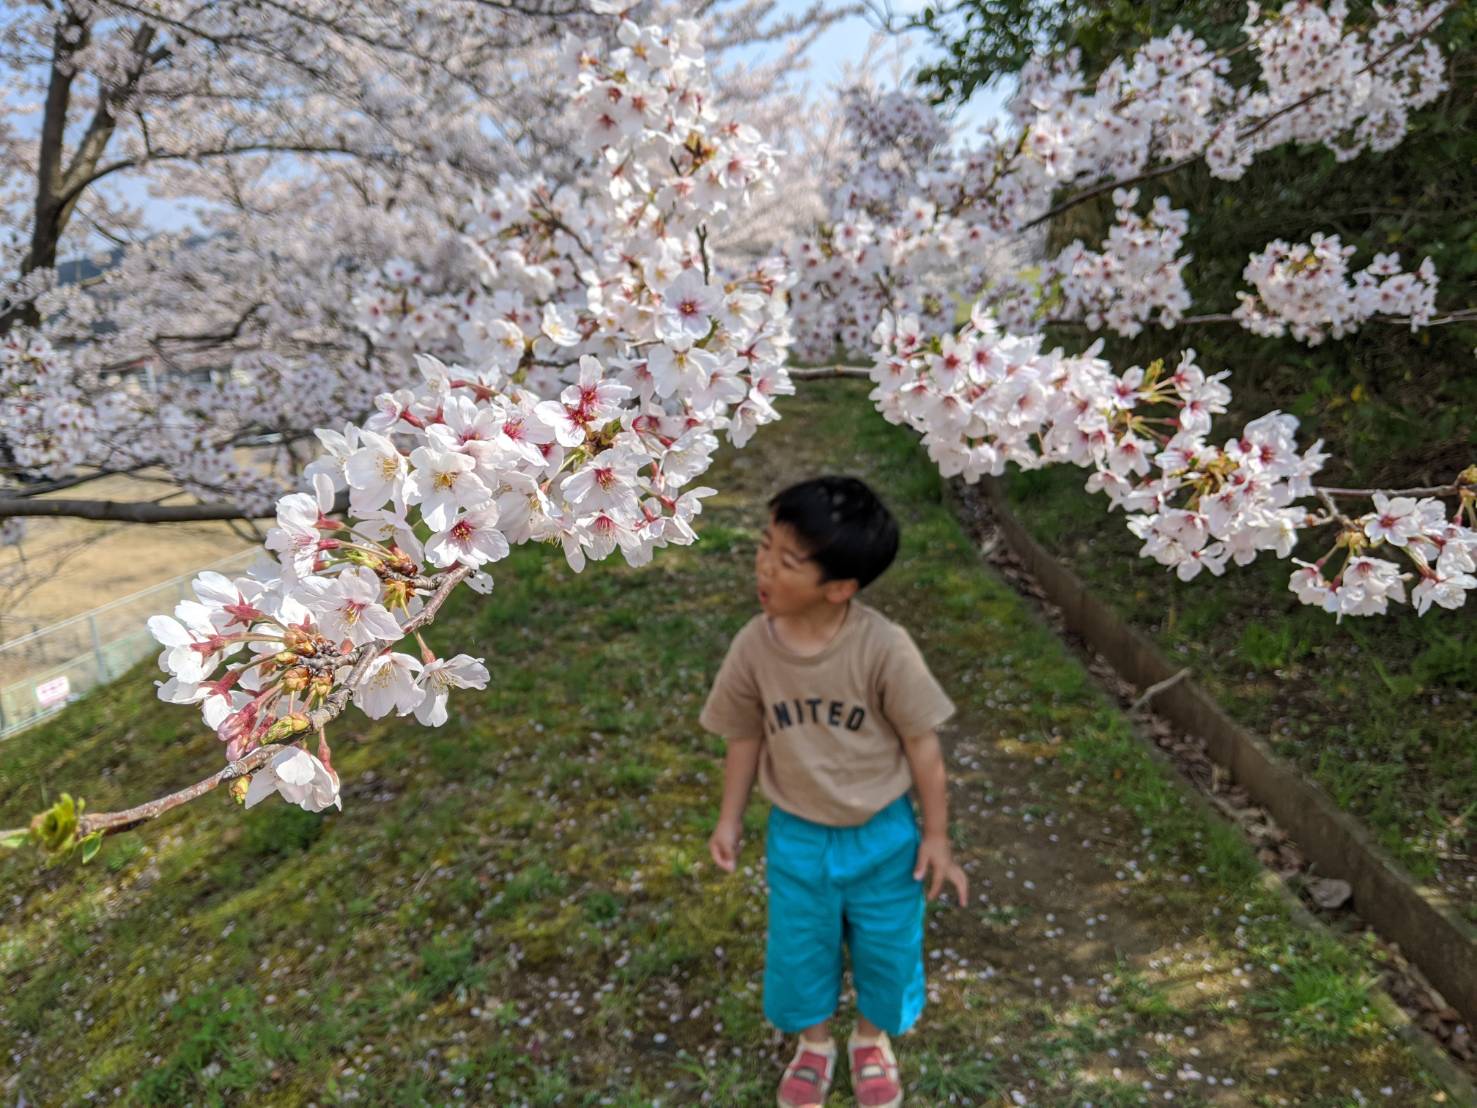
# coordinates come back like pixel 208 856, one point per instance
pixel 57 188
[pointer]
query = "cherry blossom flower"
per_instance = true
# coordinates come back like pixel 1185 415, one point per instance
pixel 437 679
pixel 348 606
pixel 1394 520
pixel 299 777
pixel 296 538
pixel 442 484
pixel 472 538
pixel 390 685
pixel 376 473
pixel 687 305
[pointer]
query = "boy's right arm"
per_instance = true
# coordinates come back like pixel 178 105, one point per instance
pixel 739 768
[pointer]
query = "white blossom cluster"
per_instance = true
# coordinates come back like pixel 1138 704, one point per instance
pixel 1369 83
pixel 887 240
pixel 983 398
pixel 599 351
pixel 1137 278
pixel 48 423
pixel 1307 289
pixel 896 140
pixel 1317 80
pixel 58 417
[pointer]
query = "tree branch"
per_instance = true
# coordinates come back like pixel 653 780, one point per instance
pixel 1365 494
pixel 122 510
pixel 1461 315
pixel 105 118
pixel 70 36
pixel 199 155
pixel 209 338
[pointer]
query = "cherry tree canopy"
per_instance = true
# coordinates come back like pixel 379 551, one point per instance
pixel 321 146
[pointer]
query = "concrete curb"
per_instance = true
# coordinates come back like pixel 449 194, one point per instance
pixel 1421 919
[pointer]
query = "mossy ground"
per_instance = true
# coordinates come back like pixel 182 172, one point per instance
pixel 517 908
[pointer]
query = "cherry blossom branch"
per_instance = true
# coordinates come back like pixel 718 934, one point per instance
pixel 84 183
pixel 136 471
pixel 1452 489
pixel 113 823
pixel 41 488
pixel 1460 315
pixel 452 467
pixel 217 337
pixel 545 215
pixel 1334 515
pixel 1107 186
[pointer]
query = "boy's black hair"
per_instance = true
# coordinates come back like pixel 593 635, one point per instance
pixel 845 527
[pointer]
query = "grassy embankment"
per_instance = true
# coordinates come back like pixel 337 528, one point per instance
pixel 517 907
pixel 1379 711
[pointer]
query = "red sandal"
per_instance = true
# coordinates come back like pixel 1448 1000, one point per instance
pixel 874 1073
pixel 808 1077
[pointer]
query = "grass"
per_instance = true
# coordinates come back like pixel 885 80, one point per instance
pixel 517 907
pixel 1378 711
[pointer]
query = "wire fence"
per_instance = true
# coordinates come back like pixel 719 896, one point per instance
pixel 42 672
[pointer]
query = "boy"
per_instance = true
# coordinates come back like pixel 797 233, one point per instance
pixel 832 706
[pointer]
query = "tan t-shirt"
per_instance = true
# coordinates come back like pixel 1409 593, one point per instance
pixel 833 723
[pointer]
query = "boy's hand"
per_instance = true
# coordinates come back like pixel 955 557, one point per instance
pixel 723 845
pixel 934 854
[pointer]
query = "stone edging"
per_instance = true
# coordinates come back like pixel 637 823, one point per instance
pixel 1421 919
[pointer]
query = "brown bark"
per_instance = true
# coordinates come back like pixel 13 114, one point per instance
pixel 121 511
pixel 58 189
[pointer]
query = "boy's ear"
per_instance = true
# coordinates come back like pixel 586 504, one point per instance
pixel 839 592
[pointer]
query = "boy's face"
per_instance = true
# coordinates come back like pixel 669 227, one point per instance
pixel 788 578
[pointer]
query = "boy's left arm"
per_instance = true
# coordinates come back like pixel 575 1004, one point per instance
pixel 926 758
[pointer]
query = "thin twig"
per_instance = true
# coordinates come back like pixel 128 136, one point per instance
pixel 1430 490
pixel 1157 688
pixel 1338 516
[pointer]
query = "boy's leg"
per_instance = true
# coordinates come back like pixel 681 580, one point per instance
pixel 883 921
pixel 802 963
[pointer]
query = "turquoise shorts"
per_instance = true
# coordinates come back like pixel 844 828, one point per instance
pixel 830 886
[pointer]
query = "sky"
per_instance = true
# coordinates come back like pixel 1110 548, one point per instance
pixel 843 44
pixel 847 41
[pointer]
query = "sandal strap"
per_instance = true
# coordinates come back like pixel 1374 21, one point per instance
pixel 810 1070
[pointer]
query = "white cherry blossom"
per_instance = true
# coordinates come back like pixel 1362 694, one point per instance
pixel 438 677
pixel 390 686
pixel 299 777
